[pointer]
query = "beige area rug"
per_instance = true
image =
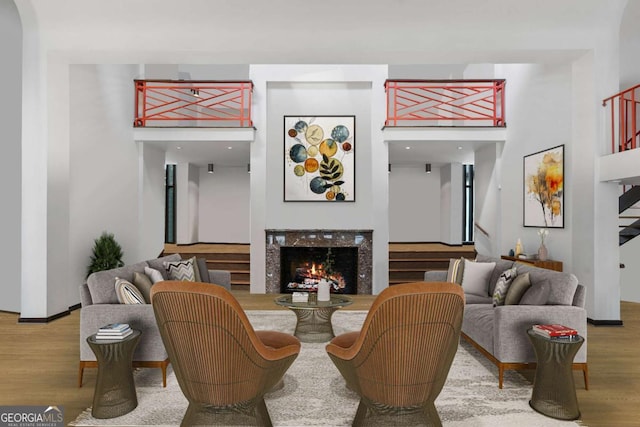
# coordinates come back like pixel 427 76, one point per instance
pixel 315 394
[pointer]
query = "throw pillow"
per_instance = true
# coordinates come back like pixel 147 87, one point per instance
pixel 154 275
pixel 475 280
pixel 143 283
pixel 203 270
pixel 196 270
pixel 502 286
pixel 518 287
pixel 456 271
pixel 181 270
pixel 127 293
pixel 537 294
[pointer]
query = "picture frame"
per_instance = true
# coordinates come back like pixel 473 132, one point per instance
pixel 543 189
pixel 319 158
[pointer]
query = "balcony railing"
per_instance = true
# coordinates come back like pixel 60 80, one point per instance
pixel 625 119
pixel 445 103
pixel 192 103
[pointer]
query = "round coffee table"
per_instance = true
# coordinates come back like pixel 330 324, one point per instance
pixel 314 317
pixel 554 392
pixel 115 392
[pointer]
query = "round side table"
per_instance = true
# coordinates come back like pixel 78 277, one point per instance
pixel 554 391
pixel 115 392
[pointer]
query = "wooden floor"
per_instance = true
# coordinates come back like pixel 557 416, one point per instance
pixel 38 364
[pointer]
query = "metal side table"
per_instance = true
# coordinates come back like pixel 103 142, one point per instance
pixel 314 317
pixel 115 392
pixel 554 391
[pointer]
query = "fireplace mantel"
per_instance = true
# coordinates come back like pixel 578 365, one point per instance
pixel 362 239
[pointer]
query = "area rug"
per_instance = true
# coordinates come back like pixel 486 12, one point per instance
pixel 314 393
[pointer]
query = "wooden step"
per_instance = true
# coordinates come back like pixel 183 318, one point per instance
pixel 424 254
pixel 235 265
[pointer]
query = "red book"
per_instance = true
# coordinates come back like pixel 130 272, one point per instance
pixel 554 330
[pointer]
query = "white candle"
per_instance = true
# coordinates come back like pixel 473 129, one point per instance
pixel 323 291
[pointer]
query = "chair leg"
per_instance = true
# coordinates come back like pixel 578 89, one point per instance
pixel 585 374
pixel 262 414
pixel 164 373
pixel 361 414
pixel 500 376
pixel 431 413
pixel 80 373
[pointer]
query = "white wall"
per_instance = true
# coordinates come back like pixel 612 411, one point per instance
pixel 103 165
pixel 187 203
pixel 414 204
pixel 630 46
pixel 451 204
pixel 488 207
pixel 151 188
pixel 224 205
pixel 10 172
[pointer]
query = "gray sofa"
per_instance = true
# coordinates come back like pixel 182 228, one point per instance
pixel 499 333
pixel 100 307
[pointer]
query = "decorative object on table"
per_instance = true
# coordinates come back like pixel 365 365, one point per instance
pixel 544 188
pixel 300 297
pixel 511 252
pixel 115 392
pixel 554 331
pixel 106 254
pixel 324 290
pixel 319 158
pixel 114 331
pixel 518 248
pixel 543 254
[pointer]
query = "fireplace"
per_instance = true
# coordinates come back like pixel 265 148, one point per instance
pixel 357 245
pixel 302 268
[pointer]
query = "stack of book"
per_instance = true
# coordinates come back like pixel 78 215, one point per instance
pixel 114 331
pixel 300 297
pixel 555 331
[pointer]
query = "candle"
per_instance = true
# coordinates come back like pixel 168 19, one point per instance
pixel 323 291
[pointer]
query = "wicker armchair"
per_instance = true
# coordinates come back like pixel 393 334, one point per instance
pixel 222 365
pixel 399 361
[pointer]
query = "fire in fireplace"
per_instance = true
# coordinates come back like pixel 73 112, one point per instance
pixel 302 268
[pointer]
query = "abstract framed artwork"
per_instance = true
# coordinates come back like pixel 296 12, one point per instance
pixel 544 188
pixel 319 158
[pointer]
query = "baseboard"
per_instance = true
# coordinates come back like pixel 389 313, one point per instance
pixel 43 319
pixel 596 322
pixel 75 307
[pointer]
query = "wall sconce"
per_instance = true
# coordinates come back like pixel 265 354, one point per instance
pixel 248 167
pixel 389 168
pixel 195 92
pixel 210 168
pixel 428 168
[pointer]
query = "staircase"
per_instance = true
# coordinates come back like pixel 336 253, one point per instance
pixel 234 258
pixel 409 261
pixel 630 221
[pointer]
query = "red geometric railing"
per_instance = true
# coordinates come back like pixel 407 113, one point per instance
pixel 445 103
pixel 625 119
pixel 192 103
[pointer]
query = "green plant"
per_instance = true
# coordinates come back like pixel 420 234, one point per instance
pixel 106 254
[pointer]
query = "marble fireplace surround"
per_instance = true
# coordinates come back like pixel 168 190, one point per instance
pixel 362 239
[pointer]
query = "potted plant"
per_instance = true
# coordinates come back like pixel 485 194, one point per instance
pixel 106 254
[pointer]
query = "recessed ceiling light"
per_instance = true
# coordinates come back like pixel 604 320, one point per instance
pixel 459 148
pixel 179 148
pixel 407 148
pixel 229 148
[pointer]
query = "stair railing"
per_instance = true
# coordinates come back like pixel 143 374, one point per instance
pixel 445 103
pixel 192 103
pixel 625 119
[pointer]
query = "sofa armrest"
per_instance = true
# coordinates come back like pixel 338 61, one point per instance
pixel 138 316
pixel 510 340
pixel 435 276
pixel 85 295
pixel 220 277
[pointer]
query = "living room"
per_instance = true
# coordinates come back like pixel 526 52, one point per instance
pixel 77 90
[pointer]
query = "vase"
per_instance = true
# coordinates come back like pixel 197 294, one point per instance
pixel 542 252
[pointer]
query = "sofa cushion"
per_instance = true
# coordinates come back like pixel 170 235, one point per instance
pixel 563 285
pixel 476 277
pixel 501 265
pixel 203 270
pixel 196 270
pixel 127 293
pixel 456 270
pixel 181 270
pixel 518 287
pixel 537 295
pixel 477 324
pixel 503 285
pixel 476 299
pixel 158 263
pixel 143 283
pixel 101 283
pixel 153 274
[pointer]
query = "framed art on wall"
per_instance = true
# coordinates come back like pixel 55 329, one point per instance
pixel 544 188
pixel 319 158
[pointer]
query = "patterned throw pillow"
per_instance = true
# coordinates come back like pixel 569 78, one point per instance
pixel 153 274
pixel 502 286
pixel 127 293
pixel 181 270
pixel 456 271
